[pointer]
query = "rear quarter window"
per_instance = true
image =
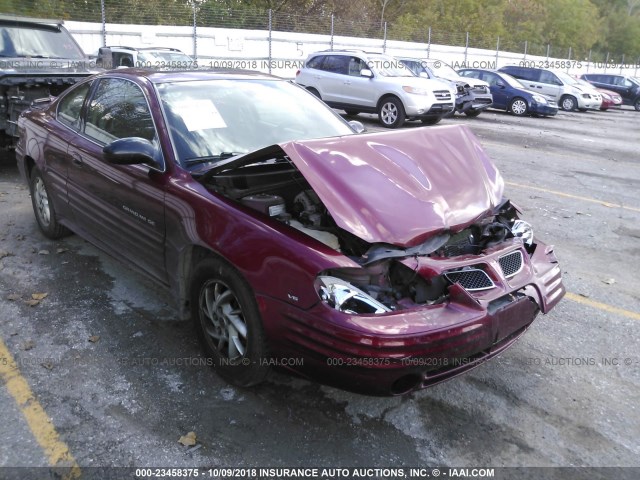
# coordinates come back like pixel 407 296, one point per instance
pixel 316 62
pixel 70 106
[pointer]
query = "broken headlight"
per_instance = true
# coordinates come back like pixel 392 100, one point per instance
pixel 346 297
pixel 522 229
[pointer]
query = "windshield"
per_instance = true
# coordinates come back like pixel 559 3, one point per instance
pixel 38 42
pixel 566 78
pixel 584 83
pixel 442 70
pixel 164 56
pixel 388 66
pixel 218 118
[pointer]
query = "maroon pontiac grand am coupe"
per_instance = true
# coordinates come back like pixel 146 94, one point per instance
pixel 380 263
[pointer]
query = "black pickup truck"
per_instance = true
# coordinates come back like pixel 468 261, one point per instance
pixel 38 59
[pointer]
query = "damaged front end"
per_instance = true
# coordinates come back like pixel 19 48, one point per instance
pixel 392 278
pixel 443 273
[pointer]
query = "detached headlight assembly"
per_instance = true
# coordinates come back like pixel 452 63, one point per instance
pixel 347 298
pixel 415 90
pixel 540 99
pixel 522 229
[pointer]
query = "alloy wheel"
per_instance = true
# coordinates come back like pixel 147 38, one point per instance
pixel 42 202
pixel 223 320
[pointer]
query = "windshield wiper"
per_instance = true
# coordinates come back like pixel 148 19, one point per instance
pixel 212 158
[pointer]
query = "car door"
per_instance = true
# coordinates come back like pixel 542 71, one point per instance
pixel 548 84
pixel 118 207
pixel 56 147
pixel 331 77
pixel 625 87
pixel 499 89
pixel 358 90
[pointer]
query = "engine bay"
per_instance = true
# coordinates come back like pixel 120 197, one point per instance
pixel 276 188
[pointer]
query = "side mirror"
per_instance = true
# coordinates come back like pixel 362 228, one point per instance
pixel 357 126
pixel 105 58
pixel 130 151
pixel 500 85
pixel 365 72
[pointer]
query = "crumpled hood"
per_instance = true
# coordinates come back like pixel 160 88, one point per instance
pixel 400 187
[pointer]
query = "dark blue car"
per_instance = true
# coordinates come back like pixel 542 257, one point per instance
pixel 510 95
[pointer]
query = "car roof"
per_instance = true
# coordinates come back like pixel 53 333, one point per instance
pixel 7 19
pixel 181 75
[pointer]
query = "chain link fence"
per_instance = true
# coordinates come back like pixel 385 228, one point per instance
pixel 199 14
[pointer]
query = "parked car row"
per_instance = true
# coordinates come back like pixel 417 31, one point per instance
pixel 511 95
pixel 400 89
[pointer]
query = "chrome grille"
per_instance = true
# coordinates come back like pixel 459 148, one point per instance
pixel 511 263
pixel 442 94
pixel 471 279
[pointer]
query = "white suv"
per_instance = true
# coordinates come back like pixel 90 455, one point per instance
pixel 145 57
pixel 356 82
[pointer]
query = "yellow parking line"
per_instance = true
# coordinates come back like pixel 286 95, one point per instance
pixel 42 428
pixel 602 306
pixel 576 197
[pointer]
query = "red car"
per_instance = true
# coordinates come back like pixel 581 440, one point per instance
pixel 610 99
pixel 380 263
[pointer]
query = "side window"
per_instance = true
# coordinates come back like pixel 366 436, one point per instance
pixel 316 62
pixel 121 59
pixel 522 73
pixel 615 80
pixel 628 83
pixel 549 78
pixel 337 64
pixel 70 106
pixel 118 109
pixel 355 65
pixel 491 79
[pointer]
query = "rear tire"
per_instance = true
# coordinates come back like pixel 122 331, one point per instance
pixel 352 113
pixel 391 112
pixel 636 104
pixel 228 323
pixel 44 209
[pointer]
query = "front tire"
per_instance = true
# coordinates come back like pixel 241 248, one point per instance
pixel 352 113
pixel 44 209
pixel 473 113
pixel 568 103
pixel 519 107
pixel 391 112
pixel 228 323
pixel 636 104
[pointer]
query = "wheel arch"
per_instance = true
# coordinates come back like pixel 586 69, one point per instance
pixel 387 95
pixel 188 260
